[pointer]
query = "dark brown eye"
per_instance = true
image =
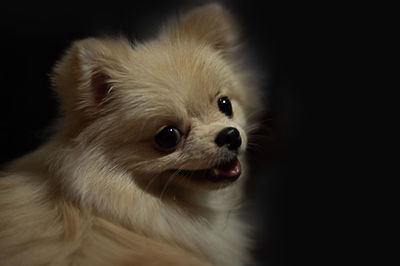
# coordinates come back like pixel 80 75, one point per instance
pixel 225 106
pixel 168 137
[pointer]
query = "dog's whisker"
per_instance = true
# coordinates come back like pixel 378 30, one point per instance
pixel 151 181
pixel 169 180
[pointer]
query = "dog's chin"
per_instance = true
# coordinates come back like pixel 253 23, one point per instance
pixel 222 174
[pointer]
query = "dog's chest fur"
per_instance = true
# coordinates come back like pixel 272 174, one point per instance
pixel 209 230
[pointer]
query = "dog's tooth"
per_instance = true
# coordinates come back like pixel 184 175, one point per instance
pixel 216 171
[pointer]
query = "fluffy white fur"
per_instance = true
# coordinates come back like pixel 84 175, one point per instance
pixel 97 192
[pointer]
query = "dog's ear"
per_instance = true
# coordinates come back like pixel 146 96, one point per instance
pixel 84 76
pixel 211 24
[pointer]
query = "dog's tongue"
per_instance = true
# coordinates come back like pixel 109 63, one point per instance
pixel 231 169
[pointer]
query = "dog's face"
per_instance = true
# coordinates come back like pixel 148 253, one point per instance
pixel 184 115
pixel 173 108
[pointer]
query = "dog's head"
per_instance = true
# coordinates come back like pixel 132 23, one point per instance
pixel 174 108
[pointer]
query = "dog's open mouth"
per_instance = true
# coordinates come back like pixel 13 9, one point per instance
pixel 225 172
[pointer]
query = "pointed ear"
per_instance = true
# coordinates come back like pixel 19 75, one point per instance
pixel 83 77
pixel 210 24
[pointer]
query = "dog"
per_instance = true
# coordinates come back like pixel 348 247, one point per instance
pixel 146 165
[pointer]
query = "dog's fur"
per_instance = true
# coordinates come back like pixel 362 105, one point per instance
pixel 97 192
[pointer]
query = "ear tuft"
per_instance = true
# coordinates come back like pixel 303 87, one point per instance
pixel 211 24
pixel 82 77
pixel 100 86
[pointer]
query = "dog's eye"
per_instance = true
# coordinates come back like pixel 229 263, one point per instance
pixel 168 137
pixel 225 106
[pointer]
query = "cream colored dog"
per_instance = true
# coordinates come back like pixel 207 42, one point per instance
pixel 146 166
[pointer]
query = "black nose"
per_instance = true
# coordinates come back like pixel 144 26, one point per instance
pixel 229 137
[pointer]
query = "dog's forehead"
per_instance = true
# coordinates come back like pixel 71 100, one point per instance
pixel 190 68
pixel 184 74
pixel 176 80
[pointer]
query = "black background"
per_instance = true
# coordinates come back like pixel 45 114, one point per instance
pixel 294 47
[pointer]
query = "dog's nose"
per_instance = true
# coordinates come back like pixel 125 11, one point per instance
pixel 229 137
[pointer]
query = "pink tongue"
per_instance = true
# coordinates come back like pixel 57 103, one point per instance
pixel 232 169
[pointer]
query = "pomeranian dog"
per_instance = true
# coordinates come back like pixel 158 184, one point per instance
pixel 146 165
